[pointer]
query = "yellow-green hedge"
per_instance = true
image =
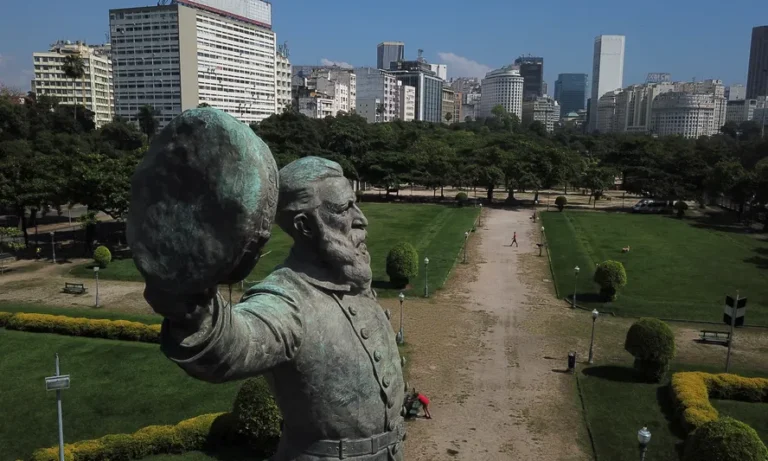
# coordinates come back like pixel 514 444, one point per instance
pixel 77 326
pixel 188 435
pixel 692 391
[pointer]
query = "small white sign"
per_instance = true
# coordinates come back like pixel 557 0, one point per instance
pixel 56 383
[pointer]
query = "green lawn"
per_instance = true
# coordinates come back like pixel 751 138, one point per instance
pixel 674 268
pixel 92 313
pixel 436 231
pixel 117 387
pixel 617 406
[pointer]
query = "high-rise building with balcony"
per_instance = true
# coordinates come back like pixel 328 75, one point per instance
pixel 607 71
pixel 532 71
pixel 388 53
pixel 429 88
pixel 175 57
pixel 502 87
pixel 571 92
pixel 94 90
pixel 406 102
pixel 377 94
pixel 757 75
pixel 283 76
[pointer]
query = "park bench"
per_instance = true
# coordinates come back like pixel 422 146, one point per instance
pixel 5 257
pixel 74 288
pixel 712 336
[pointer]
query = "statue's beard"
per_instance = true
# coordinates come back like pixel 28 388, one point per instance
pixel 347 255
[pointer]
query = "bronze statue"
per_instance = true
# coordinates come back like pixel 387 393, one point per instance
pixel 313 327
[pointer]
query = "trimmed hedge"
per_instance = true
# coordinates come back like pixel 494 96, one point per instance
pixel 191 434
pixel 102 256
pixel 652 343
pixel 611 276
pixel 561 202
pixel 257 417
pixel 79 326
pixel 462 198
pixel 402 264
pixel 725 439
pixel 691 392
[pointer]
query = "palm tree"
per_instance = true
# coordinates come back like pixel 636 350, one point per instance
pixel 380 112
pixel 147 121
pixel 74 68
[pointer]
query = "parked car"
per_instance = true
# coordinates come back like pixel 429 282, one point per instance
pixel 650 206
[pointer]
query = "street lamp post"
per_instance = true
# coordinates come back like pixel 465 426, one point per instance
pixel 53 247
pixel 426 277
pixel 575 285
pixel 644 437
pixel 401 334
pixel 595 314
pixel 96 271
pixel 466 240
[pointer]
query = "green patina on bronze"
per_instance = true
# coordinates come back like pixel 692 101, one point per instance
pixel 203 197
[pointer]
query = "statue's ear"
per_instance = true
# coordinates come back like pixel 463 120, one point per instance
pixel 303 226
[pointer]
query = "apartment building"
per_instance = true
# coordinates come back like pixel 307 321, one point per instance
pixel 502 87
pixel 94 91
pixel 377 94
pixel 175 57
pixel 449 106
pixel 541 109
pixel 406 102
pixel 283 78
pixel 323 91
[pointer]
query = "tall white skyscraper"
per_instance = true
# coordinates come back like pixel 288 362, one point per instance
pixel 607 71
pixel 502 87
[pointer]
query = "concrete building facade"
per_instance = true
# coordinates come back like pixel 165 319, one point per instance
pixel 571 92
pixel 376 88
pixel 94 91
pixel 406 102
pixel 735 92
pixel 283 75
pixel 429 88
pixel 502 87
pixel 175 57
pixel 607 71
pixel 449 105
pixel 388 53
pixel 441 70
pixel 325 92
pixel 739 111
pixel 542 109
pixel 757 74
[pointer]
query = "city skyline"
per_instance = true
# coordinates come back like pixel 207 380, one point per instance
pixel 655 43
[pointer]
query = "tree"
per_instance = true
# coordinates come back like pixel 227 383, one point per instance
pixel 74 68
pixel 148 123
pixel 448 117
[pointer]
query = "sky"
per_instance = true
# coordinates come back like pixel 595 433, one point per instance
pixel 689 39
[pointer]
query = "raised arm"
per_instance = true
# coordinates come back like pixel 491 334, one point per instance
pixel 216 342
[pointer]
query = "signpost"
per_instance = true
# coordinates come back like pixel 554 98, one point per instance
pixel 733 316
pixel 58 383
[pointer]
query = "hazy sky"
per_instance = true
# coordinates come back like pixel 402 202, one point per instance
pixel 701 39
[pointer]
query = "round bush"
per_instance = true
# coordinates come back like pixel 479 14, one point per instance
pixel 652 343
pixel 402 264
pixel 462 198
pixel 681 208
pixel 359 195
pixel 102 256
pixel 725 439
pixel 611 276
pixel 257 417
pixel 561 202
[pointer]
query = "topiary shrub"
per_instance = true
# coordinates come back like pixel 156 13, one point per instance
pixel 462 198
pixel 402 264
pixel 257 417
pixel 652 343
pixel 561 202
pixel 725 439
pixel 611 276
pixel 102 256
pixel 681 207
pixel 359 195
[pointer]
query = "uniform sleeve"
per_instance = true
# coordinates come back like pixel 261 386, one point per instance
pixel 263 331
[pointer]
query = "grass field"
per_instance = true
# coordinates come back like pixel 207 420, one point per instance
pixel 675 268
pixel 435 231
pixel 117 387
pixel 617 406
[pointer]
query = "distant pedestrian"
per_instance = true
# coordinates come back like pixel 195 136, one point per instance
pixel 514 240
pixel 38 250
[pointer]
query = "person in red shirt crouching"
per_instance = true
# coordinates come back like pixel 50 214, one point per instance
pixel 424 401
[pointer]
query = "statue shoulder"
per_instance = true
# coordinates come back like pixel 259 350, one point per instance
pixel 283 282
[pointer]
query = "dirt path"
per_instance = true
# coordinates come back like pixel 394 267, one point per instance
pixel 501 399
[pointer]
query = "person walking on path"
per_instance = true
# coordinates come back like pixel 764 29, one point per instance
pixel 514 240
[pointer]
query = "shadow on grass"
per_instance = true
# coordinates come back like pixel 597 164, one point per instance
pixel 761 259
pixel 387 285
pixel 613 373
pixel 717 219
pixel 591 298
pixel 667 405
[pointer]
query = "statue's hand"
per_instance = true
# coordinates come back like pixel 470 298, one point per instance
pixel 187 311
